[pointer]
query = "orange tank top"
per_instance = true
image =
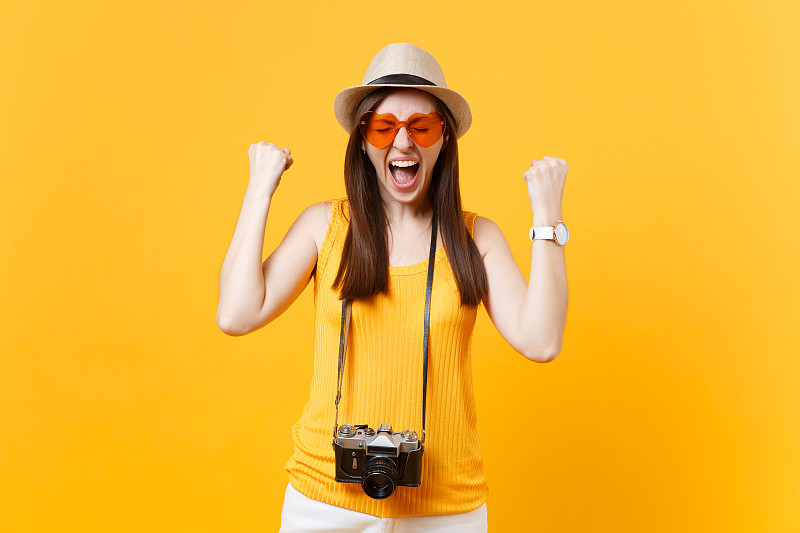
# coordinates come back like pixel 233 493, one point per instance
pixel 383 385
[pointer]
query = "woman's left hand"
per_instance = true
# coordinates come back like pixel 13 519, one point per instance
pixel 545 181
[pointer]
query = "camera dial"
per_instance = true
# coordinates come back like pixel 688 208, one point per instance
pixel 410 435
pixel 346 430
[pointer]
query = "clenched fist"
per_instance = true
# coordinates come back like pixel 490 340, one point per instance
pixel 545 181
pixel 267 164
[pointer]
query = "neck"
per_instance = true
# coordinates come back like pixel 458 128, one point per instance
pixel 399 214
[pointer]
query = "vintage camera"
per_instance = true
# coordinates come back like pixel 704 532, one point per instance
pixel 379 460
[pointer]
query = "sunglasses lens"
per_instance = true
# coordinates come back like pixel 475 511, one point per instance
pixel 378 130
pixel 426 130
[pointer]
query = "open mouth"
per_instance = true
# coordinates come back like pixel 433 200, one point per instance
pixel 404 173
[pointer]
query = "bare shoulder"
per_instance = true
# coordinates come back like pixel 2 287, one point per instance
pixel 487 235
pixel 315 219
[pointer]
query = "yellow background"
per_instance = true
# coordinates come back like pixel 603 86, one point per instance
pixel 124 129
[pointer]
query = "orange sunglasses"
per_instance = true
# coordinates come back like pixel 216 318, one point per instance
pixel 380 130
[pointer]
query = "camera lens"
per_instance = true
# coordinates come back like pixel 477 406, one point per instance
pixel 380 477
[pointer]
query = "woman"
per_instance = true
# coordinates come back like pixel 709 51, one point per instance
pixel 371 249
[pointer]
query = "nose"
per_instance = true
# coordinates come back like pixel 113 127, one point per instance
pixel 402 141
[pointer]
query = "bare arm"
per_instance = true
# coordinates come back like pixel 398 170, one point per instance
pixel 251 294
pixel 530 316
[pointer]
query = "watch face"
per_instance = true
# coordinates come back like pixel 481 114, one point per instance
pixel 561 233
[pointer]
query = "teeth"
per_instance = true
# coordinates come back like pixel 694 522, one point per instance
pixel 403 163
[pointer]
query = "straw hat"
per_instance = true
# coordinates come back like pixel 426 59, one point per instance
pixel 403 65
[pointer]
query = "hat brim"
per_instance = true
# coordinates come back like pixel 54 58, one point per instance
pixel 347 100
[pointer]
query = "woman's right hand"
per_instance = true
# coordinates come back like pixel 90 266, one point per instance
pixel 267 164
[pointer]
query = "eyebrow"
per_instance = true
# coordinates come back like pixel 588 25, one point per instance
pixel 384 120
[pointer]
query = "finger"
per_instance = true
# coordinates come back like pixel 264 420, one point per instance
pixel 557 159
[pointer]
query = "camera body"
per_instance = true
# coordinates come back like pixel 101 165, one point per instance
pixel 379 460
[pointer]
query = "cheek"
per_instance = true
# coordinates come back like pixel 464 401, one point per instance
pixel 376 160
pixel 432 157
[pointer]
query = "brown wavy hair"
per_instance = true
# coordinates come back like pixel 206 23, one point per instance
pixel 364 267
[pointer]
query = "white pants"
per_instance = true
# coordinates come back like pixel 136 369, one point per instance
pixel 301 514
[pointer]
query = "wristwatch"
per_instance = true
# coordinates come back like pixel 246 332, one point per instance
pixel 558 233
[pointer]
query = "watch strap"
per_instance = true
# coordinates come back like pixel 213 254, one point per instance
pixel 546 232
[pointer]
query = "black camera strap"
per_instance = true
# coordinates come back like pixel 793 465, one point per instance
pixel 346 312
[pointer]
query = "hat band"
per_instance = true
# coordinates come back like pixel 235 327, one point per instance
pixel 401 79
